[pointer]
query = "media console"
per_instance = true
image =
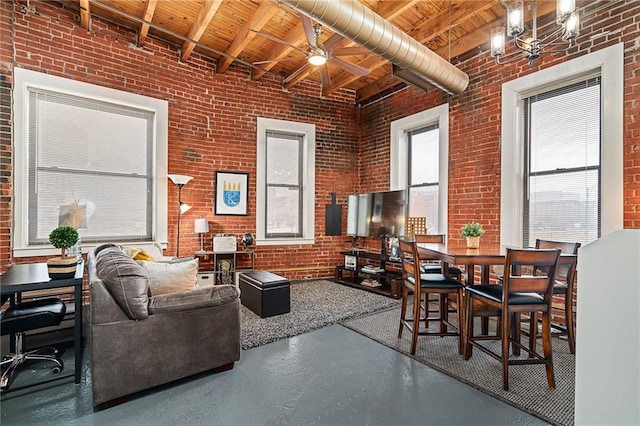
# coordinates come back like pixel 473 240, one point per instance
pixel 370 271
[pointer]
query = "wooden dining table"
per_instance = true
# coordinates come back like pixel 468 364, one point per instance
pixel 456 253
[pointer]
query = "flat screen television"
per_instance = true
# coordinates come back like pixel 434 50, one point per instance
pixel 377 214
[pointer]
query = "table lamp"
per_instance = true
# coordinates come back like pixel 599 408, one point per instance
pixel 201 227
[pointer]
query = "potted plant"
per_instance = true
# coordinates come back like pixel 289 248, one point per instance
pixel 64 266
pixel 472 231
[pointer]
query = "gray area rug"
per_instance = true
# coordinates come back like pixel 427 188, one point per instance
pixel 314 304
pixel 528 389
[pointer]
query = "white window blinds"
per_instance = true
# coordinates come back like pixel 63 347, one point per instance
pixel 94 154
pixel 563 164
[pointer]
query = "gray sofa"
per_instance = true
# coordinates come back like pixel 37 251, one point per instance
pixel 140 341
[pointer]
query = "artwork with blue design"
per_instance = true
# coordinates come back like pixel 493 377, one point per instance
pixel 231 193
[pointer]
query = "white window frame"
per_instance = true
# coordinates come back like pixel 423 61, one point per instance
pixel 26 79
pixel 399 154
pixel 610 64
pixel 308 132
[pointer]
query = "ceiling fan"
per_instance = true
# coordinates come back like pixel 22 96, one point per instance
pixel 319 55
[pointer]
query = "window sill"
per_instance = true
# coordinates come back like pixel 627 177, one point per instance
pixel 284 241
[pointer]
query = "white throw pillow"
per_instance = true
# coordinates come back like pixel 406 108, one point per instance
pixel 167 278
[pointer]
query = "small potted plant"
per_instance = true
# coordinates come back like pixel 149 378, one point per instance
pixel 64 266
pixel 472 231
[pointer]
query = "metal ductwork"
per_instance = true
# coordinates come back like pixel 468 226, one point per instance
pixel 353 20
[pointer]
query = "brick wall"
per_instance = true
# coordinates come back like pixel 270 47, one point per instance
pixel 212 124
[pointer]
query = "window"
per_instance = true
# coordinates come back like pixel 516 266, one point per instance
pixel 420 162
pixel 608 65
pixel 284 185
pixel 562 164
pixel 285 192
pixel 87 146
pixel 423 175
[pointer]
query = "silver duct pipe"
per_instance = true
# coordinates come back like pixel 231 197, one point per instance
pixel 353 20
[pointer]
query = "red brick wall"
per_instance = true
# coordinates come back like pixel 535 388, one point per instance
pixel 212 124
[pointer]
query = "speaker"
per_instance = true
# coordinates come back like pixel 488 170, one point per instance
pixel 333 220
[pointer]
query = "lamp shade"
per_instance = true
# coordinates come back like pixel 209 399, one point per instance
pixel 184 208
pixel 201 226
pixel 180 179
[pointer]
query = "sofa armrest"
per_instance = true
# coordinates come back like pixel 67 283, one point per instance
pixel 194 299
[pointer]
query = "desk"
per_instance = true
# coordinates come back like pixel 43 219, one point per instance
pixel 34 276
pixel 456 253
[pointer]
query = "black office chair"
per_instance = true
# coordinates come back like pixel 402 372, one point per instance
pixel 21 317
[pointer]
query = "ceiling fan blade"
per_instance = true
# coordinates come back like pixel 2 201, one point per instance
pixel 277 40
pixel 297 72
pixel 324 76
pixel 351 51
pixel 347 66
pixel 307 24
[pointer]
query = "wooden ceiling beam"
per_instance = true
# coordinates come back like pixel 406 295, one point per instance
pixel 149 10
pixel 85 14
pixel 201 23
pixel 257 21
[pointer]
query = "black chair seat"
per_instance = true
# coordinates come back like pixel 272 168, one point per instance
pixel 494 293
pixel 437 269
pixel 33 314
pixel 436 281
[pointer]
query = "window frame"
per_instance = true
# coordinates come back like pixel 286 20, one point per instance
pixel 399 158
pixel 24 80
pixel 308 148
pixel 609 64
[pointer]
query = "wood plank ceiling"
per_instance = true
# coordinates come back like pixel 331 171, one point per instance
pixel 270 37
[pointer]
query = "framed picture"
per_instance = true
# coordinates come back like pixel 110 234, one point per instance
pixel 232 190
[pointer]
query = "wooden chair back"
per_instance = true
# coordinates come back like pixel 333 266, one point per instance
pixel 564 272
pixel 429 238
pixel 410 275
pixel 542 260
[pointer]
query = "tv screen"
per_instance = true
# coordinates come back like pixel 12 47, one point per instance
pixel 376 214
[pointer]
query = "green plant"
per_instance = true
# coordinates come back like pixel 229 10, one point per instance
pixel 472 229
pixel 63 237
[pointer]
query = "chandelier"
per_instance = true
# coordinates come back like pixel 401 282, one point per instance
pixel 532 47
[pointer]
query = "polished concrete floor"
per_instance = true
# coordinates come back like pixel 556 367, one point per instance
pixel 331 376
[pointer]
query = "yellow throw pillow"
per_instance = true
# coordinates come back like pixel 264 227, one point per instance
pixel 167 278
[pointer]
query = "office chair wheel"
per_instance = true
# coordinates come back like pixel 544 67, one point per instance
pixel 56 369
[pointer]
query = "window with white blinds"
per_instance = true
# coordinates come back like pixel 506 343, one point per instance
pixel 95 154
pixel 423 175
pixel 284 185
pixel 563 140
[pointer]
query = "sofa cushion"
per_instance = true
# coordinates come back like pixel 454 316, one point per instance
pixel 195 299
pixel 167 278
pixel 127 281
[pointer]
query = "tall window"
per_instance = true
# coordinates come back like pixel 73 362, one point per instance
pixel 562 164
pixel 423 175
pixel 420 163
pixel 558 168
pixel 285 182
pixel 284 185
pixel 89 155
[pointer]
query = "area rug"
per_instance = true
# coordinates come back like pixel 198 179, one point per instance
pixel 528 388
pixel 314 304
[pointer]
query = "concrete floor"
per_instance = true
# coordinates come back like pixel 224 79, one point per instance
pixel 332 376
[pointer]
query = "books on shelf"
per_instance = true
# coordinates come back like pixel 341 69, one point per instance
pixel 370 269
pixel 370 283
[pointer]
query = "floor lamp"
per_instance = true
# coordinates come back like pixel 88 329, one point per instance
pixel 180 180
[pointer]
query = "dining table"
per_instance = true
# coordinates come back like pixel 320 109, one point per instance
pixel 455 252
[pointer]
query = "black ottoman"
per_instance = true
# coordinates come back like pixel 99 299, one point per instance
pixel 266 294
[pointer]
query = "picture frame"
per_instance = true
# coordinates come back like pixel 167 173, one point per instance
pixel 232 193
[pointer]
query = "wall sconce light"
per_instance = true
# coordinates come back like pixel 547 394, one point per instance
pixel 180 180
pixel 201 227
